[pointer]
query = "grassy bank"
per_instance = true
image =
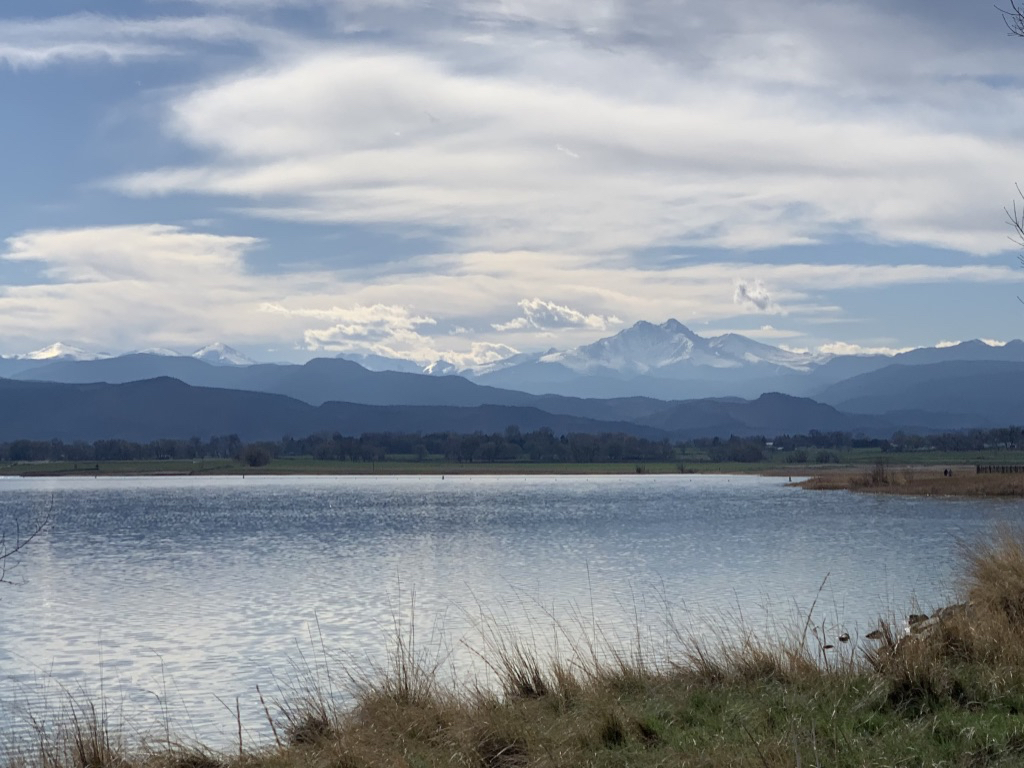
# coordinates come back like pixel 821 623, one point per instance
pixel 309 466
pixel 845 470
pixel 899 479
pixel 949 693
pixel 911 480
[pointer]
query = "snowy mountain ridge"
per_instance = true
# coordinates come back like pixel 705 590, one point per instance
pixel 61 351
pixel 221 354
pixel 646 348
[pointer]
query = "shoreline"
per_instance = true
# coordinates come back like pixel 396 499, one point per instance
pixel 950 480
pixel 908 480
pixel 336 469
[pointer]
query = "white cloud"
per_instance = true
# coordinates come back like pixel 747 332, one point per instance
pixel 764 332
pixel 457 137
pixel 843 348
pixel 391 331
pixel 480 353
pixel 167 287
pixel 88 36
pixel 549 146
pixel 546 315
pixel 131 286
pixel 379 329
pixel 988 342
pixel 119 288
pixel 123 254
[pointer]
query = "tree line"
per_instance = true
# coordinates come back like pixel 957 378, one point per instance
pixel 512 445
pixel 542 445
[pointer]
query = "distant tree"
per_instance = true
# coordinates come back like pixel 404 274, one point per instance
pixel 737 449
pixel 256 455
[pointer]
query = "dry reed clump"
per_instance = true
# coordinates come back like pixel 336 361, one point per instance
pixel 968 653
pixel 882 476
pixel 919 481
pixel 184 756
pixel 993 576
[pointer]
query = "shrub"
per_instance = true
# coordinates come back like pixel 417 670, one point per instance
pixel 256 455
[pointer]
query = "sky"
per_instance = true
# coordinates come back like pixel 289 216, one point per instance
pixel 468 179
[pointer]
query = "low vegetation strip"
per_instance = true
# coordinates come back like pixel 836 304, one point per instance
pixel 946 691
pixel 909 480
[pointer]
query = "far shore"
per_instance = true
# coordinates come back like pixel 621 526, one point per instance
pixel 956 479
pixel 285 467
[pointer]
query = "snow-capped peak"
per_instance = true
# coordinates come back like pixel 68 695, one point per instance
pixel 441 368
pixel 640 349
pixel 749 351
pixel 221 354
pixel 646 348
pixel 158 351
pixel 62 351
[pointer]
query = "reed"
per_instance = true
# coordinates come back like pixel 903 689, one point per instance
pixel 918 481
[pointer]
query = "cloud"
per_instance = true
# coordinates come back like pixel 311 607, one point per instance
pixel 764 332
pixel 542 148
pixel 33 44
pixel 795 350
pixel 988 342
pixel 754 296
pixel 142 253
pixel 546 315
pixel 158 285
pixel 391 331
pixel 381 329
pixel 479 354
pixel 843 348
pixel 131 286
pixel 746 139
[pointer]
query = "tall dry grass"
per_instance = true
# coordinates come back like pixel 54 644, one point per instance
pixel 918 481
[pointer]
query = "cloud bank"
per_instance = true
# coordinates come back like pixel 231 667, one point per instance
pixel 613 160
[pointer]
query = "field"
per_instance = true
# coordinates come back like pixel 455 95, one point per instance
pixel 309 466
pixel 849 464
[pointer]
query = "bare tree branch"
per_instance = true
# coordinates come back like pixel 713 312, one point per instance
pixel 11 545
pixel 1014 18
pixel 1015 218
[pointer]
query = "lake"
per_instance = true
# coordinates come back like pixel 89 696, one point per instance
pixel 171 598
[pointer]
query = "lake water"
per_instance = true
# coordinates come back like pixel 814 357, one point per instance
pixel 173 597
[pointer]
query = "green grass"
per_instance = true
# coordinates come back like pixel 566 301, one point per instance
pixel 310 466
pixel 152 467
pixel 776 462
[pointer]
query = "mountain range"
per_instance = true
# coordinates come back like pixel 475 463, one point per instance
pixel 649 380
pixel 168 408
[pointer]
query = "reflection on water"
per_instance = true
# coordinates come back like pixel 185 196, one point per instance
pixel 177 595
